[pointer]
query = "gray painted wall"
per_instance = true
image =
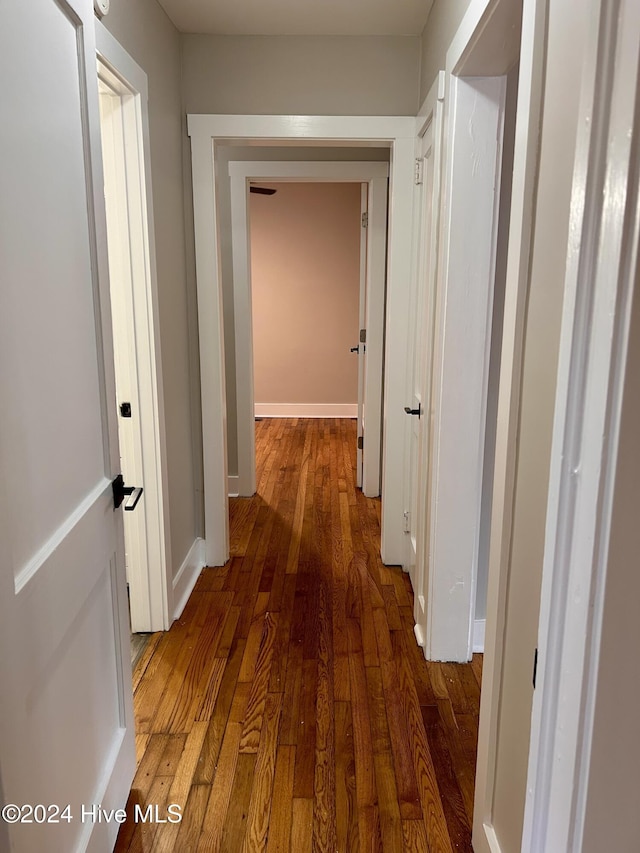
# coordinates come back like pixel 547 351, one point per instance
pixel 612 814
pixel 301 75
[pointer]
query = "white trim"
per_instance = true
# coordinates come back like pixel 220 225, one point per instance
pixel 233 486
pixel 306 410
pixel 211 340
pixel 375 174
pixel 156 590
pixel 479 627
pixel 399 133
pixel 602 268
pixel 188 574
pixel 321 128
pixel 489 843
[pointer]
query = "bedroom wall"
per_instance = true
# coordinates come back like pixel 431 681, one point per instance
pixel 305 279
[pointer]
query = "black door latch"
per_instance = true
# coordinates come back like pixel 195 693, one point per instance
pixel 120 492
pixel 410 411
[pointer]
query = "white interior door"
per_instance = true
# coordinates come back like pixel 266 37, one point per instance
pixel 418 408
pixel 371 356
pixel 125 357
pixel 360 347
pixel 66 727
pixel 427 311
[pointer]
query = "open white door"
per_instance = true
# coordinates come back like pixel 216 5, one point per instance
pixel 138 369
pixel 371 349
pixel 66 727
pixel 360 347
pixel 426 310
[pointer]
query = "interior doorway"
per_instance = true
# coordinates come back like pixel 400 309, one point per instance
pixel 122 100
pixel 457 340
pixel 368 345
pixel 305 249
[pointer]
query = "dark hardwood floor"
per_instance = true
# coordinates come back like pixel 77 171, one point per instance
pixel 290 709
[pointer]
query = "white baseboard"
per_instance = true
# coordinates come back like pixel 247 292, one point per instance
pixel 417 630
pixel 478 635
pixel 306 410
pixel 233 487
pixel 188 574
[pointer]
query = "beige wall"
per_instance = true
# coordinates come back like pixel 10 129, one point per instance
pixel 443 21
pixel 305 279
pixel 542 334
pixel 612 813
pixel 301 75
pixel 145 32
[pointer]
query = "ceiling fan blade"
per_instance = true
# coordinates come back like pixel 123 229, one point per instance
pixel 262 190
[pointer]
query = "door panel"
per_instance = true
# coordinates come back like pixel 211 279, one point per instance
pixel 44 195
pixel 362 320
pixel 121 268
pixel 419 391
pixel 426 312
pixel 66 735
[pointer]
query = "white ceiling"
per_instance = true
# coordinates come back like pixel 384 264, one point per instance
pixel 299 17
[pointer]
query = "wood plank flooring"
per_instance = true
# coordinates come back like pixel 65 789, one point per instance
pixel 290 709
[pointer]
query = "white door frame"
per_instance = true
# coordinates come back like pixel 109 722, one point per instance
pixel 362 324
pixel 150 586
pixel 399 133
pixel 602 270
pixel 375 174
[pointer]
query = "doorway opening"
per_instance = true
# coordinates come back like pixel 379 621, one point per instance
pixel 208 137
pixel 305 250
pixel 139 411
pixel 457 329
pixel 366 343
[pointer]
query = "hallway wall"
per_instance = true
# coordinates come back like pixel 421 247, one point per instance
pixel 147 34
pixel 305 282
pixel 301 75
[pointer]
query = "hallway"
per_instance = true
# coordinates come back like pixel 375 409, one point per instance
pixel 290 707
